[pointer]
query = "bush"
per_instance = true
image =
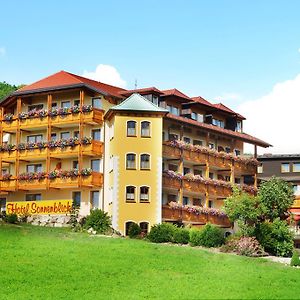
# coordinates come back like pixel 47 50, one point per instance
pixel 134 230
pixel 247 246
pixel 295 261
pixel 162 233
pixel 98 220
pixel 181 236
pixel 12 219
pixel 275 237
pixel 208 236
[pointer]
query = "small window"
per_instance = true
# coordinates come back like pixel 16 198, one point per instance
pixel 130 193
pixel 211 146
pixel 187 140
pixel 144 227
pixel 95 199
pixel 34 138
pixel 95 165
pixel 131 128
pixel 227 149
pixel 76 102
pixel 76 196
pixel 65 104
pixel 34 168
pixel 130 161
pixel 185 200
pixel 197 202
pixel 173 137
pixel 237 152
pixel 155 99
pixel 76 134
pixel 144 194
pixel 172 198
pixel 173 167
pixel 145 129
pixel 197 142
pixel 285 167
pixel 186 171
pixel 238 127
pixel 175 110
pixel 145 161
pixel 296 167
pixel 65 135
pixel 97 103
pixel 210 204
pixel 237 180
pixel 197 172
pixel 33 197
pixel 200 118
pixel 127 226
pixel 53 136
pixel 75 164
pixel 194 116
pixel 96 134
pixel 35 107
pixel 54 105
pixel 260 169
pixel 211 175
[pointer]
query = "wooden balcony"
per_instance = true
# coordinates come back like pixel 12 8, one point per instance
pixel 8 155
pixel 93 180
pixel 171 152
pixel 194 186
pixel 93 117
pixel 33 153
pixel 242 168
pixel 8 185
pixel 182 215
pixel 220 192
pixel 197 157
pixel 171 183
pixel 34 184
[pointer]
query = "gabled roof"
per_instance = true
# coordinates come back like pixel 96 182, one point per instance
pixel 136 102
pixel 141 91
pixel 223 107
pixel 201 100
pixel 65 79
pixel 175 92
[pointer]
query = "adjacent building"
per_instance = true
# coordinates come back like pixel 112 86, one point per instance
pixel 143 155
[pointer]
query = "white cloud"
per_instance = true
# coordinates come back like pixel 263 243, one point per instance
pixel 2 51
pixel 106 74
pixel 275 117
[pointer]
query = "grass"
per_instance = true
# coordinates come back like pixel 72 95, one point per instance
pixel 52 263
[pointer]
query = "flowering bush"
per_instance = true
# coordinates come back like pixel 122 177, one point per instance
pixel 42 113
pixel 86 108
pixel 74 109
pixel 8 117
pixel 7 147
pixel 21 146
pixel 6 177
pixel 53 174
pixel 22 115
pixel 32 113
pixel 53 112
pixel 63 174
pixel 86 171
pixel 30 145
pixel 31 176
pixel 86 140
pixel 41 144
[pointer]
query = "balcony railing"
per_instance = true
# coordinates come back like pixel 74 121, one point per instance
pixel 194 215
pixel 39 119
pixel 201 155
pixel 42 181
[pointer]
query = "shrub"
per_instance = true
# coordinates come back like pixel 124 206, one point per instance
pixel 208 236
pixel 181 236
pixel 275 237
pixel 98 220
pixel 134 230
pixel 247 246
pixel 12 218
pixel 162 233
pixel 295 261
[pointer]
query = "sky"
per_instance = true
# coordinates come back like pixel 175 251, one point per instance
pixel 245 54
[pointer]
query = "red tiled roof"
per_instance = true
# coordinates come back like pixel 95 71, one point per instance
pixel 63 78
pixel 141 91
pixel 242 136
pixel 201 100
pixel 175 92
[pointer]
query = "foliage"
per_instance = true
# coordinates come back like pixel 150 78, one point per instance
pixel 6 89
pixel 181 235
pixel 11 218
pixel 295 261
pixel 247 246
pixel 208 236
pixel 275 237
pixel 134 230
pixel 161 233
pixel 276 196
pixel 98 220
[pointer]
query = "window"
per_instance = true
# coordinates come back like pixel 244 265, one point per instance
pixel 53 136
pixel 131 128
pixel 4 171
pixel 76 102
pixel 211 175
pixel 144 194
pixel 260 169
pixel 130 193
pixel 185 200
pixel 186 171
pixel 210 204
pixel 127 226
pixel 65 135
pixel 34 138
pixel 194 116
pixel 130 161
pixel 144 227
pixel 197 142
pixel 187 140
pixel 145 129
pixel 237 152
pixel 197 202
pixel 200 118
pixel 75 164
pixel 227 149
pixel 34 168
pixel 76 196
pixel 95 165
pixel 65 104
pixel 211 145
pixel 296 167
pixel 173 137
pixel 97 103
pixel 76 134
pixel 197 172
pixel 155 100
pixel 173 167
pixel 96 134
pixel 285 167
pixel 218 123
pixel 175 110
pixel 237 180
pixel 145 162
pixel 95 199
pixel 172 198
pixel 2 204
pixel 54 105
pixel 33 197
pixel 238 127
pixel 35 107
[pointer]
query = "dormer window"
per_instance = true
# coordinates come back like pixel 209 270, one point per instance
pixel 238 127
pixel 218 123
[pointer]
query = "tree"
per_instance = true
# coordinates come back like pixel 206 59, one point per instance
pixel 6 89
pixel 276 197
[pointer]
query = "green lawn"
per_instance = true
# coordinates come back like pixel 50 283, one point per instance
pixel 51 263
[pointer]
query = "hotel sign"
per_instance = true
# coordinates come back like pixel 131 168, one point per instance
pixel 47 207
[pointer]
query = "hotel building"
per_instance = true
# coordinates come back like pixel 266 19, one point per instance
pixel 144 155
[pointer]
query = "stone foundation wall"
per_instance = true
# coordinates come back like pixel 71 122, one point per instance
pixel 50 221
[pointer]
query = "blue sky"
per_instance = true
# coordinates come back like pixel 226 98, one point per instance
pixel 234 51
pixel 208 48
